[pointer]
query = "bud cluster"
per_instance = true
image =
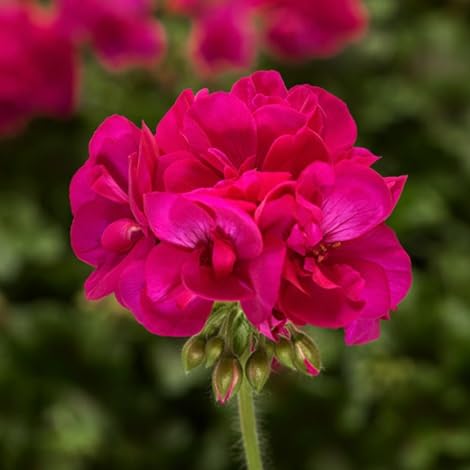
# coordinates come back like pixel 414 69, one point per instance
pixel 237 352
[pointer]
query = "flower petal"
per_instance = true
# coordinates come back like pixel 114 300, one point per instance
pixel 265 274
pixel 204 282
pixel 272 121
pixel 265 82
pixel 361 331
pixel 359 201
pixel 222 121
pixel 382 247
pixel 175 219
pixel 294 153
pixel 167 317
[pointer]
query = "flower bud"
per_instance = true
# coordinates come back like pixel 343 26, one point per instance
pixel 193 353
pixel 307 355
pixel 214 349
pixel 285 353
pixel 226 378
pixel 258 369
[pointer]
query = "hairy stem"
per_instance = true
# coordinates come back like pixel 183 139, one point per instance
pixel 246 411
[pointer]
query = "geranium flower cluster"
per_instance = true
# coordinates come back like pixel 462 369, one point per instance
pixel 39 60
pixel 258 196
pixel 227 33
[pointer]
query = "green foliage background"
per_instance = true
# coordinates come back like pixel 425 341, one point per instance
pixel 82 386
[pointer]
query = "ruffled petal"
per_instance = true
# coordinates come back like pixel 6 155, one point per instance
pixel 175 219
pixel 265 274
pixel 359 201
pixel 294 153
pixel 221 121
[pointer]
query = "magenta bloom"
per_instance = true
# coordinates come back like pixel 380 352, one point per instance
pixel 256 195
pixel 224 32
pixel 123 32
pixel 305 28
pixel 38 70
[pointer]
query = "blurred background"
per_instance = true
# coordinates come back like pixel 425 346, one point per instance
pixel 83 386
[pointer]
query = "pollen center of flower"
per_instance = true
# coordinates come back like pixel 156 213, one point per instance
pixel 321 251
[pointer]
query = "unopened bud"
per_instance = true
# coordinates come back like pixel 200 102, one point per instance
pixel 307 355
pixel 214 349
pixel 258 369
pixel 193 353
pixel 226 378
pixel 285 353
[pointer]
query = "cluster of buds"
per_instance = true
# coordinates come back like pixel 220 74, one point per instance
pixel 238 352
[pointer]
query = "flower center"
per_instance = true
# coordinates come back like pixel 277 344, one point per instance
pixel 321 251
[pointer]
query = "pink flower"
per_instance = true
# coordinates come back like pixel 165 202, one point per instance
pixel 344 268
pixel 224 32
pixel 38 70
pixel 123 32
pixel 257 195
pixel 306 28
pixel 223 37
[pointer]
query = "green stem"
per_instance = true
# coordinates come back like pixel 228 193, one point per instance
pixel 246 411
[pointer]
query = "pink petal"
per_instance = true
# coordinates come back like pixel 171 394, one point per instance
pixel 223 257
pixel 320 307
pixel 359 201
pixel 276 213
pixel 265 274
pixel 294 153
pixel 102 183
pixel 361 331
pixel 163 270
pixel 236 225
pixel 188 174
pixel 80 191
pixel 396 185
pixel 142 173
pixel 340 130
pixel 267 83
pixel 105 279
pixel 204 282
pixel 111 145
pixel 222 121
pixel 121 235
pixel 273 121
pixel 169 136
pixel 359 155
pixel 167 317
pixel 88 226
pixel 382 247
pixel 333 307
pixel 175 219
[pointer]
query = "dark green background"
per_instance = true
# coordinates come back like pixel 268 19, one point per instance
pixel 82 386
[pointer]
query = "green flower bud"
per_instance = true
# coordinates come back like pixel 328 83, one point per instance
pixel 285 353
pixel 307 354
pixel 258 369
pixel 193 353
pixel 226 378
pixel 214 349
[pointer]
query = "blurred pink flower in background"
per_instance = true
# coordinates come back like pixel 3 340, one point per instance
pixel 300 29
pixel 122 32
pixel 38 68
pixel 257 195
pixel 39 49
pixel 225 33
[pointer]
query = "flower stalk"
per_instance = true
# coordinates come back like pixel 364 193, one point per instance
pixel 248 428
